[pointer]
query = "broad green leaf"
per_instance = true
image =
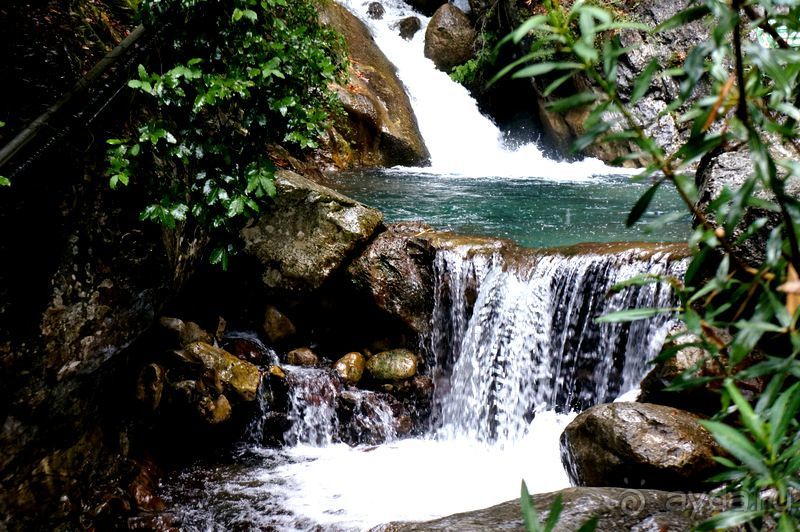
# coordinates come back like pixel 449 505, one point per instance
pixel 570 102
pixel 642 204
pixel 729 519
pixel 782 413
pixel 529 515
pixel 738 445
pixel 682 18
pixel 642 83
pixel 632 314
pixel 4 181
pixel 749 418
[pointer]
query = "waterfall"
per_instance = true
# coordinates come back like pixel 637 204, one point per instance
pixel 515 338
pixel 322 410
pixel 460 139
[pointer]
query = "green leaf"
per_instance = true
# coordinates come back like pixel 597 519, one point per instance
pixel 729 519
pixel 529 515
pixel 590 525
pixel 554 515
pixel 782 413
pixel 4 181
pixel 749 418
pixel 642 83
pixel 632 314
pixel 570 102
pixel 738 445
pixel 682 18
pixel 642 204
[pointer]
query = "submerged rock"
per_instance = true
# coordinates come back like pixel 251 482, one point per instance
pixel 393 365
pixel 396 269
pixel 381 129
pixel 350 367
pixel 277 326
pixel 449 38
pixel 408 27
pixel 249 348
pixel 375 10
pixel 638 444
pixel 302 356
pixel 642 510
pixel 237 375
pixel 308 233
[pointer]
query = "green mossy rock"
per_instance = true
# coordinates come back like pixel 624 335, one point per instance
pixel 393 365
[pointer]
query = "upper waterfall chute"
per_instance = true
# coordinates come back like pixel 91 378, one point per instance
pixel 460 139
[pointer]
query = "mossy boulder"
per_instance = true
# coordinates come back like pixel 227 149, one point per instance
pixel 393 365
pixel 307 233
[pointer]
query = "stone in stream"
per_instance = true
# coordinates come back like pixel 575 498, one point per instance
pixel 248 347
pixel 350 367
pixel 302 356
pixel 239 376
pixel 188 331
pixel 215 411
pixel 408 27
pixel 639 444
pixel 375 10
pixel 277 326
pixel 617 509
pixel 393 365
pixel 307 233
pixel 449 38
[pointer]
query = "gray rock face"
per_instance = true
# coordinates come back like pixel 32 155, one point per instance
pixel 449 38
pixel 667 48
pixel 381 129
pixel 638 444
pixel 396 269
pixel 310 232
pixel 617 509
pixel 408 27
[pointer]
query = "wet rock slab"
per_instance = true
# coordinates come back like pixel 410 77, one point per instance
pixel 617 509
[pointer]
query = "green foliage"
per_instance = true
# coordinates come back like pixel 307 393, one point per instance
pixel 242 74
pixel 733 93
pixel 473 73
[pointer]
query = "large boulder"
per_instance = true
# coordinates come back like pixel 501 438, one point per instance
pixel 638 444
pixel 308 233
pixel 381 129
pixel 449 38
pixel 396 269
pixel 643 510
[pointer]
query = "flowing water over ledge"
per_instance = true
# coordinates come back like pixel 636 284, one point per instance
pixel 513 351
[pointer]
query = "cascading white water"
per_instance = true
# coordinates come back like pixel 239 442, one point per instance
pixel 460 139
pixel 528 343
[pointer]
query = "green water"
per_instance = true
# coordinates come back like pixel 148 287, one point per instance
pixel 533 212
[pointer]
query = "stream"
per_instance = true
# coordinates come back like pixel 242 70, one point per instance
pixel 513 349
